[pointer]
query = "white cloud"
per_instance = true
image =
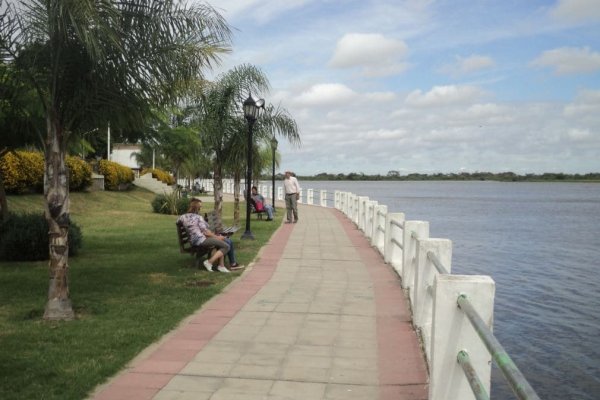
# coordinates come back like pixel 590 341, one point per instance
pixel 376 54
pixel 569 60
pixel 587 103
pixel 468 65
pixel 579 134
pixel 444 96
pixel 381 96
pixel 325 94
pixel 576 10
pixel 262 11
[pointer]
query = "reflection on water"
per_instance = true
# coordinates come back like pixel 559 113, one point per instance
pixel 540 242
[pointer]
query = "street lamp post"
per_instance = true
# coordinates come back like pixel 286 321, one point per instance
pixel 251 111
pixel 273 149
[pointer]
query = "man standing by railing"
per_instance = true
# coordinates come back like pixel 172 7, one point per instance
pixel 292 194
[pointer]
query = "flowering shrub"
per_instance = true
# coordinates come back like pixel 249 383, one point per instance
pixel 24 171
pixel 115 175
pixel 80 173
pixel 161 175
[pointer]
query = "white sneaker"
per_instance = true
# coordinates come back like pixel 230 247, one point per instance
pixel 223 269
pixel 208 266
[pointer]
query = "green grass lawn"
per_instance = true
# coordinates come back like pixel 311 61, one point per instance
pixel 129 286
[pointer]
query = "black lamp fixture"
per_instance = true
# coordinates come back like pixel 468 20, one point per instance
pixel 252 108
pixel 273 149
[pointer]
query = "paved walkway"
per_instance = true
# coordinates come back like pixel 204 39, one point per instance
pixel 318 316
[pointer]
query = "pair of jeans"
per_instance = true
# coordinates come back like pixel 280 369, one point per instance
pixel 231 252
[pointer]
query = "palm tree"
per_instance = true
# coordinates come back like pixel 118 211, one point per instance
pixel 91 61
pixel 217 116
pixel 274 121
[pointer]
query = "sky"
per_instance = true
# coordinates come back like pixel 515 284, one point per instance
pixel 426 86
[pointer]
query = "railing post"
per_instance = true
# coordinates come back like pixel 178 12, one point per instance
pixel 362 212
pixel 394 247
pixel 369 218
pixel 425 276
pixel 280 193
pixel 300 198
pixel 309 196
pixel 378 240
pixel 323 198
pixel 452 332
pixel 412 231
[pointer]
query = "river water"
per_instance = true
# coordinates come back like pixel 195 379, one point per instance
pixel 540 242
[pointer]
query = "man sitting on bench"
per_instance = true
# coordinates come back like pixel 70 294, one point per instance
pixel 201 236
pixel 260 205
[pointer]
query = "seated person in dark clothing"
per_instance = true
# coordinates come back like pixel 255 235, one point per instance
pixel 258 198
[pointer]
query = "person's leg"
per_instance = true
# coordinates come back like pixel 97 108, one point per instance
pixel 219 255
pixel 288 206
pixel 295 208
pixel 269 210
pixel 231 253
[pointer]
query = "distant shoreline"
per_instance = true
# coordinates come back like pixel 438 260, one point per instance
pixel 477 176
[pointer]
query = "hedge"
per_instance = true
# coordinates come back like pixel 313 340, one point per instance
pixel 115 175
pixel 24 237
pixel 24 172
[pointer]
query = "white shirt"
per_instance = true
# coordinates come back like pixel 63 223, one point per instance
pixel 291 185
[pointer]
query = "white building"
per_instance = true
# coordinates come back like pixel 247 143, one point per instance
pixel 123 154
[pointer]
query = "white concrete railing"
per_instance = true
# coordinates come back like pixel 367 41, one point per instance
pixel 406 246
pixel 424 266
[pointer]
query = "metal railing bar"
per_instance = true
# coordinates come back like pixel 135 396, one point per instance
pixel 397 243
pixel 515 378
pixel 476 386
pixel 381 228
pixel 437 263
pixel 414 235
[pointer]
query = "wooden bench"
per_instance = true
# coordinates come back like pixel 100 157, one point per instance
pixel 186 247
pixel 215 224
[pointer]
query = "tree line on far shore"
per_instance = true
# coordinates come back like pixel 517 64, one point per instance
pixel 463 176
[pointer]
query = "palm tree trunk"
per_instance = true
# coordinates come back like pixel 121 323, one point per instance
pixel 237 179
pixel 56 193
pixel 218 188
pixel 3 200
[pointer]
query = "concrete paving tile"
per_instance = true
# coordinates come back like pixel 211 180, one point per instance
pixel 228 394
pixel 298 390
pixel 188 383
pixel 255 372
pixel 354 376
pixel 351 392
pixel 304 374
pixel 359 363
pixel 273 360
pixel 307 350
pixel 203 369
pixel 293 307
pixel 210 356
pixel 295 360
pixel 254 386
pixel 179 395
pixel 275 337
pixel 268 348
